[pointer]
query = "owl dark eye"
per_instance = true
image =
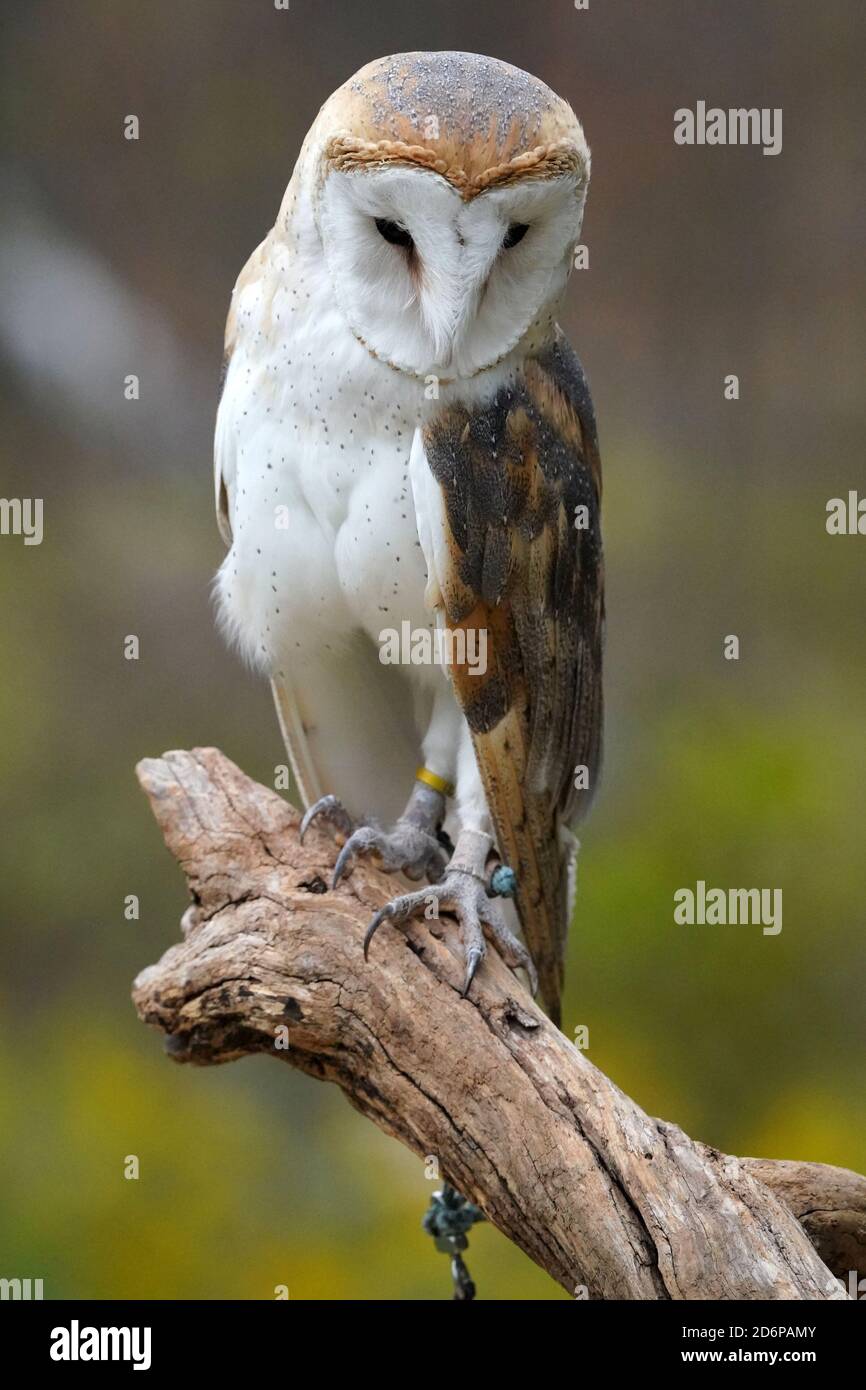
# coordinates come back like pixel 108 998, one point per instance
pixel 516 232
pixel 393 232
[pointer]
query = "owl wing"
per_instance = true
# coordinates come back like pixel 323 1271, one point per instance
pixel 518 554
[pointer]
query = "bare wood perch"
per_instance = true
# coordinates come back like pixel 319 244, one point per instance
pixel 566 1165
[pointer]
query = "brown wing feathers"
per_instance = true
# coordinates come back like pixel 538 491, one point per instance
pixel 513 472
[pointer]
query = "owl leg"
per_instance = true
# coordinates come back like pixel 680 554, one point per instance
pixel 414 844
pixel 465 888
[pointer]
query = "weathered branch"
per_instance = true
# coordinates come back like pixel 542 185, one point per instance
pixel 596 1192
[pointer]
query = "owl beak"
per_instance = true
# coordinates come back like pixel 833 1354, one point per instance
pixel 453 284
pixel 453 320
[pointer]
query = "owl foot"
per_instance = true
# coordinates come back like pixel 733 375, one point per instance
pixel 411 846
pixel 463 891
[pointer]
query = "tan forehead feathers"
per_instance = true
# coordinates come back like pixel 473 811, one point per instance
pixel 476 121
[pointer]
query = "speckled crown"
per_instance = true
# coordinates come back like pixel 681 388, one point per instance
pixel 476 121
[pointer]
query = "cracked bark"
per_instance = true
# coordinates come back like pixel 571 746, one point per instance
pixel 598 1193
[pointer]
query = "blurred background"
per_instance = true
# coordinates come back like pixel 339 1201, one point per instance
pixel 119 257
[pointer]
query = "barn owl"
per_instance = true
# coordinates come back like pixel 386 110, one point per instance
pixel 405 445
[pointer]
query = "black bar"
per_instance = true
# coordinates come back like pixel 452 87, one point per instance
pixel 219 1338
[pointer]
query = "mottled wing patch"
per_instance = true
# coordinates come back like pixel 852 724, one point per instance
pixel 517 474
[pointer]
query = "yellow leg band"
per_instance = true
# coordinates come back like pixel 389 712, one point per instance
pixel 432 779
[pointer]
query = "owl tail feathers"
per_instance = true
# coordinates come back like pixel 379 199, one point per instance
pixel 546 920
pixel 539 919
pixel 551 997
pixel 551 977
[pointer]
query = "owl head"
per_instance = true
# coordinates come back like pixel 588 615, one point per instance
pixel 447 192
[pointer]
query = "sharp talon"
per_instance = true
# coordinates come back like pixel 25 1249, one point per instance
pixel 305 823
pixel 473 960
pixel 386 911
pixel 325 806
pixel 346 853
